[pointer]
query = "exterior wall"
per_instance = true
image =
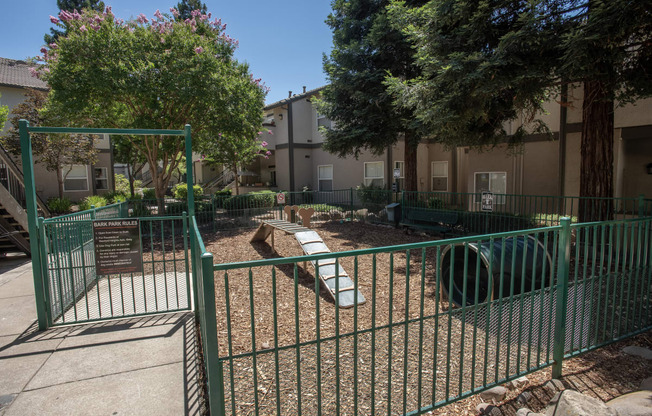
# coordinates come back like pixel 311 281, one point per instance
pixel 637 154
pixel 347 172
pixel 10 97
pixel 540 168
pixel 497 160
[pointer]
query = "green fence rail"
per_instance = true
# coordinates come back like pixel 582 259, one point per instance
pixel 526 300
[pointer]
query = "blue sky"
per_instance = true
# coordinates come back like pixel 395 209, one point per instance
pixel 282 41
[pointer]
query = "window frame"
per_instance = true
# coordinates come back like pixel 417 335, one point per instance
pixel 477 194
pixel 76 178
pixel 365 177
pixel 432 175
pixel 319 178
pixel 106 178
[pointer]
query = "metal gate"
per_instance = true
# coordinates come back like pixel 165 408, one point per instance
pixel 74 290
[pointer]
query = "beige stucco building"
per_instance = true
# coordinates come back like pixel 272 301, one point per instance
pixel 541 167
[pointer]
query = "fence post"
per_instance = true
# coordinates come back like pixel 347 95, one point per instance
pixel 561 296
pixel 214 370
pixel 351 197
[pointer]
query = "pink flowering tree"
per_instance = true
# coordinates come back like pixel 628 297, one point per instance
pixel 153 72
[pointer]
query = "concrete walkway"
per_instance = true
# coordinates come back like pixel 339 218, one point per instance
pixel 139 366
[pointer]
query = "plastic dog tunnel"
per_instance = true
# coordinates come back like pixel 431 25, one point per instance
pixel 527 265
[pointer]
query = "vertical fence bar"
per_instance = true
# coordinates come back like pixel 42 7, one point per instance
pixel 562 296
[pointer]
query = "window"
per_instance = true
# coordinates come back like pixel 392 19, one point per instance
pixel 439 176
pixel 325 173
pixel 374 174
pixel 101 179
pixel 77 179
pixel 495 182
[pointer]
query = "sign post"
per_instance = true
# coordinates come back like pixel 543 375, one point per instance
pixel 117 246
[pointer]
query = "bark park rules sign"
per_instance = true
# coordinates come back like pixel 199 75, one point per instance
pixel 117 246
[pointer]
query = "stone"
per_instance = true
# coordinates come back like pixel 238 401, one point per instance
pixel 573 403
pixel 553 386
pixel 519 383
pixel 496 393
pixel 638 403
pixel 524 397
pixel 638 352
pixel 265 345
pixel 488 409
pixel 646 384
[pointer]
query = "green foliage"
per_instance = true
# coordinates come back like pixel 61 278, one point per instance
pixel 122 184
pixel 186 7
pixel 71 6
pixel 365 48
pixel 223 192
pixel 57 152
pixel 259 199
pixel 116 196
pixel 93 200
pixel 368 195
pixel 59 206
pixel 494 222
pixel 181 191
pixel 4 111
pixel 149 193
pixel 322 207
pixel 156 74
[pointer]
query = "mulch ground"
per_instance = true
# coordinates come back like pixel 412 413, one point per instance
pixel 448 346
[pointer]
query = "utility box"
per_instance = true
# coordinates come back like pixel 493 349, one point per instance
pixel 394 212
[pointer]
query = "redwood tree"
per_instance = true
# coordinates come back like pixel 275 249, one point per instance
pixel 485 63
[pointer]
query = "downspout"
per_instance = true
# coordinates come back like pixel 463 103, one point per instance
pixel 291 143
pixel 390 170
pixel 563 117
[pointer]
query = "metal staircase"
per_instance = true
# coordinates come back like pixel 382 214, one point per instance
pixel 221 181
pixel 14 235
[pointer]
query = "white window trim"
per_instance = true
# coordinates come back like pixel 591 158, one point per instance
pixel 439 176
pixel 77 190
pixel 319 178
pixel 106 177
pixel 477 199
pixel 382 169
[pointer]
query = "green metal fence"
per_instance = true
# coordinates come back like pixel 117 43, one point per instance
pixel 527 299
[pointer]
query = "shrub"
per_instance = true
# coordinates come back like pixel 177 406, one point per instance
pixel 149 193
pixel 59 205
pixel 373 194
pixel 221 196
pixel 181 191
pixel 115 197
pixel 260 199
pixel 93 200
pixel 321 207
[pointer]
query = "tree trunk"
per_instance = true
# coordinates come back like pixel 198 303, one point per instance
pixel 131 179
pixel 237 179
pixel 597 154
pixel 411 146
pixel 60 182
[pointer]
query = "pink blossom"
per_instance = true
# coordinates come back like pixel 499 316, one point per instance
pixel 269 132
pixel 162 40
pixel 54 19
pixel 65 15
pixel 264 144
pixel 142 19
pixel 219 134
pixel 268 153
pixel 54 46
pixel 260 132
pixel 195 13
pixel 199 50
pixel 76 15
pixel 96 27
pixel 158 14
pixel 108 12
pixel 174 12
pixel 33 72
pixel 266 157
pixel 44 50
pixel 83 28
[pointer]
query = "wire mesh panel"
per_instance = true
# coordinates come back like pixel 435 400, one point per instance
pixel 77 293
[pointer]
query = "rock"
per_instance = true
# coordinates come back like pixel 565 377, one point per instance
pixel 496 393
pixel 638 352
pixel 646 384
pixel 572 403
pixel 524 397
pixel 553 386
pixel 488 409
pixel 638 403
pixel 519 383
pixel 265 345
